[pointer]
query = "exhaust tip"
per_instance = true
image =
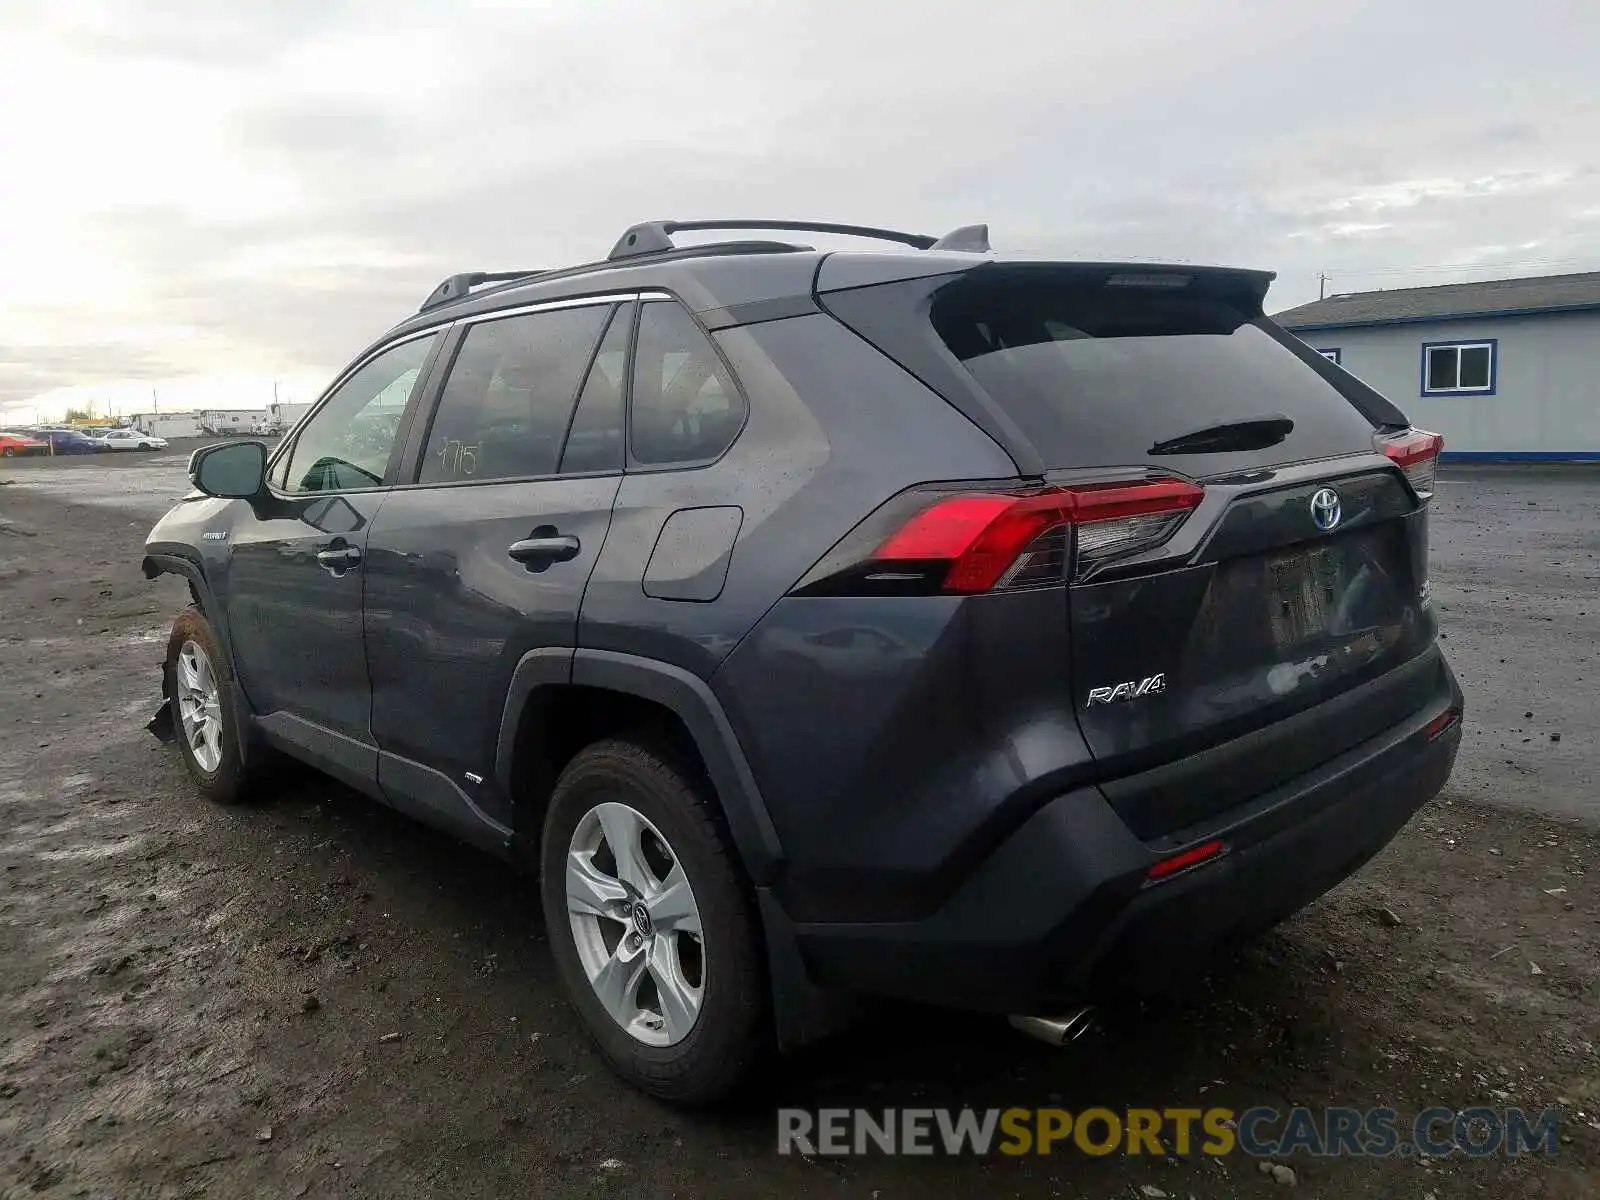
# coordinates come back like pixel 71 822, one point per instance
pixel 1056 1031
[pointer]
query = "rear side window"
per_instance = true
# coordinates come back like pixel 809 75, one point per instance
pixel 685 406
pixel 506 402
pixel 1098 374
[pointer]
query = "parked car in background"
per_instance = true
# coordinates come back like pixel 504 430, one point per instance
pixel 131 439
pixel 266 429
pixel 68 441
pixel 14 444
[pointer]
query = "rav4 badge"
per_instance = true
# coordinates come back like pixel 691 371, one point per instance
pixel 1151 685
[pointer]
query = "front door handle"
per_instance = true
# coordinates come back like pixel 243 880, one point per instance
pixel 339 559
pixel 537 553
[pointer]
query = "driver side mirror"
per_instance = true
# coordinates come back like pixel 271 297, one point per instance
pixel 231 471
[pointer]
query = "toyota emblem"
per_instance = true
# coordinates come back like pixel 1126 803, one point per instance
pixel 1325 511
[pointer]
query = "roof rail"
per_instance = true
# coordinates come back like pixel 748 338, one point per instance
pixel 457 286
pixel 655 237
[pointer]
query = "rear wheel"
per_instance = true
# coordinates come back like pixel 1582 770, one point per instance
pixel 198 686
pixel 650 923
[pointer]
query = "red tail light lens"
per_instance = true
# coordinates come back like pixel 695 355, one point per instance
pixel 1166 868
pixel 977 541
pixel 1442 723
pixel 1416 453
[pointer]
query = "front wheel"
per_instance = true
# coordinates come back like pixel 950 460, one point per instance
pixel 198 686
pixel 650 924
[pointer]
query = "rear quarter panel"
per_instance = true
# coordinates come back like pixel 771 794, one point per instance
pixel 834 430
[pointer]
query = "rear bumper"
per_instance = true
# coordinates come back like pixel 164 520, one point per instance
pixel 1061 912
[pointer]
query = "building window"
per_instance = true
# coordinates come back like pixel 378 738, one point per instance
pixel 1459 368
pixel 1331 354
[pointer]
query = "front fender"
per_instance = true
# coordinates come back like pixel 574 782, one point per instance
pixel 171 560
pixel 164 560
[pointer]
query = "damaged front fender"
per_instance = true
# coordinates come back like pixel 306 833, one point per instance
pixel 162 724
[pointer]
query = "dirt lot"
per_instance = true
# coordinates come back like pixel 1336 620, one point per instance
pixel 311 997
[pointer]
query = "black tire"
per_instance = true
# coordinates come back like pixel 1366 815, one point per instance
pixel 731 1031
pixel 226 783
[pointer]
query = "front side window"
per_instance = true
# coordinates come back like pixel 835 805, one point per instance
pixel 1331 354
pixel 1455 367
pixel 505 405
pixel 346 444
pixel 685 406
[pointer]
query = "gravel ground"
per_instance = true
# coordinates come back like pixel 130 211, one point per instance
pixel 311 997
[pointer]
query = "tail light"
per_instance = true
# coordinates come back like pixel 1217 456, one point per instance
pixel 1416 453
pixel 984 539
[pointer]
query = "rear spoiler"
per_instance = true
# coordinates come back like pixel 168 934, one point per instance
pixel 1246 289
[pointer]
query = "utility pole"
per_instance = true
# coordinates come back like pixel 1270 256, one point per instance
pixel 1322 286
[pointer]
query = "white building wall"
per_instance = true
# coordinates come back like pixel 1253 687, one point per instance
pixel 1546 400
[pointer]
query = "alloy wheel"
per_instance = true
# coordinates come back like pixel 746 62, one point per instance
pixel 636 924
pixel 199 706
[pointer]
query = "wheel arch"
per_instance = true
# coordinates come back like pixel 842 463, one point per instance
pixel 640 689
pixel 560 698
pixel 168 562
pixel 171 562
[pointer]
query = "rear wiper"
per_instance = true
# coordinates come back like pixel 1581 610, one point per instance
pixel 1252 433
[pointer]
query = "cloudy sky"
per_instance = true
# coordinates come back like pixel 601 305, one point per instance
pixel 209 197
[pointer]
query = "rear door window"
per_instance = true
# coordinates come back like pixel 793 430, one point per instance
pixel 595 441
pixel 1098 374
pixel 510 394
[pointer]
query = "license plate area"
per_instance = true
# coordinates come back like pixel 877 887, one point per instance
pixel 1304 587
pixel 1279 607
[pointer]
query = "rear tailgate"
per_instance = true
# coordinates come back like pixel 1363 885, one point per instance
pixel 1266 619
pixel 1299 578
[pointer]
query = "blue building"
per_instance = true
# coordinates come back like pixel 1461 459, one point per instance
pixel 1508 369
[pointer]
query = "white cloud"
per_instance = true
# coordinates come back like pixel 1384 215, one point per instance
pixel 236 192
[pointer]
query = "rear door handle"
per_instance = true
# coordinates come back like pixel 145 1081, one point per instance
pixel 536 553
pixel 339 558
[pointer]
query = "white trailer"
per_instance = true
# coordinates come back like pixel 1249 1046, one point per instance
pixel 231 422
pixel 284 416
pixel 167 425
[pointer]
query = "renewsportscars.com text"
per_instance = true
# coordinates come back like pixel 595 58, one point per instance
pixel 1259 1132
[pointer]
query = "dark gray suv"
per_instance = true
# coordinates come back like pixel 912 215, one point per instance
pixel 917 623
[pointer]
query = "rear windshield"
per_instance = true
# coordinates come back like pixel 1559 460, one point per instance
pixel 1098 374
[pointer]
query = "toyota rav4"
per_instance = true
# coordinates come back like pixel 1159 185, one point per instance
pixel 915 623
